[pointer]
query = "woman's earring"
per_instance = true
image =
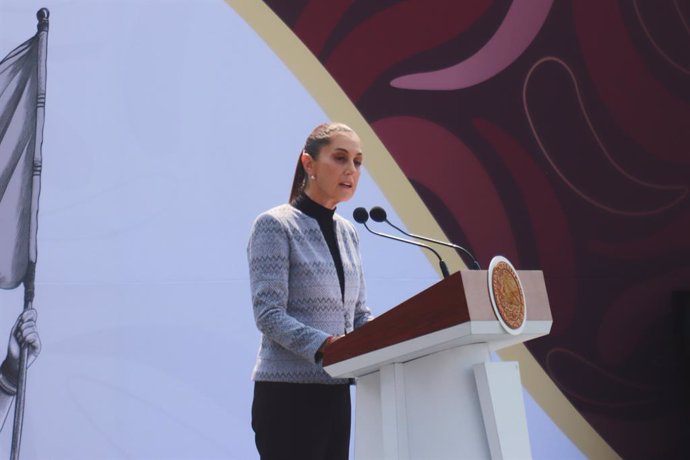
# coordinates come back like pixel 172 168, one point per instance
pixel 312 177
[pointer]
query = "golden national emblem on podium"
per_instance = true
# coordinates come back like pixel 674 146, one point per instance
pixel 507 295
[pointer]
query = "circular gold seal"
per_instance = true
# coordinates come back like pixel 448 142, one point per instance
pixel 507 295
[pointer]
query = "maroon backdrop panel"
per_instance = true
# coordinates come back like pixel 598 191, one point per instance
pixel 557 134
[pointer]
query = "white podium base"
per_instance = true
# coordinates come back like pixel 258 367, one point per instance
pixel 429 409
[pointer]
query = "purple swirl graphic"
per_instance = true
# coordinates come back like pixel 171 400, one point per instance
pixel 517 31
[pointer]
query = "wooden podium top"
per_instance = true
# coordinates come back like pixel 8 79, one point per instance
pixel 462 298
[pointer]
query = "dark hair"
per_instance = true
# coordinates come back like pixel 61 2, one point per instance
pixel 320 137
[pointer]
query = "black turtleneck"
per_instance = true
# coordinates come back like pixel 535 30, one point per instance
pixel 324 217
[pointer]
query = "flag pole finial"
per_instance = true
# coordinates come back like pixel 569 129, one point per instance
pixel 42 15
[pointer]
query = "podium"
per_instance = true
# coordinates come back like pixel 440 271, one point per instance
pixel 426 386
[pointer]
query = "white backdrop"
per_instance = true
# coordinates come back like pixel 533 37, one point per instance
pixel 169 126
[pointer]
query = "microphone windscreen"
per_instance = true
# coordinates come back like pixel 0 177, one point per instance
pixel 360 215
pixel 378 214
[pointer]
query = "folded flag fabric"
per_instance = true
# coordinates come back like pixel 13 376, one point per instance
pixel 18 102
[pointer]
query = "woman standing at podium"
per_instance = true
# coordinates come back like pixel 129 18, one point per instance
pixel 307 291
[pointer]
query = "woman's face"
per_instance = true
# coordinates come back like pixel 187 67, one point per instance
pixel 335 170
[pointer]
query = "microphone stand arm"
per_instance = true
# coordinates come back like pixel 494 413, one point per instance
pixel 441 262
pixel 431 240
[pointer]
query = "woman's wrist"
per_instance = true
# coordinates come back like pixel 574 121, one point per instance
pixel 327 342
pixel 319 353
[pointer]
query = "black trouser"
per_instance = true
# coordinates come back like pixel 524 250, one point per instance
pixel 301 421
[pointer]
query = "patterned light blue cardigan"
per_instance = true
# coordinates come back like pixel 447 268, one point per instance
pixel 296 293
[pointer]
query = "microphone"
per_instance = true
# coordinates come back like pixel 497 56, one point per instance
pixel 378 214
pixel 362 216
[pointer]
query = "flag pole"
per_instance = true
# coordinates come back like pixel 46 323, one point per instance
pixel 42 37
